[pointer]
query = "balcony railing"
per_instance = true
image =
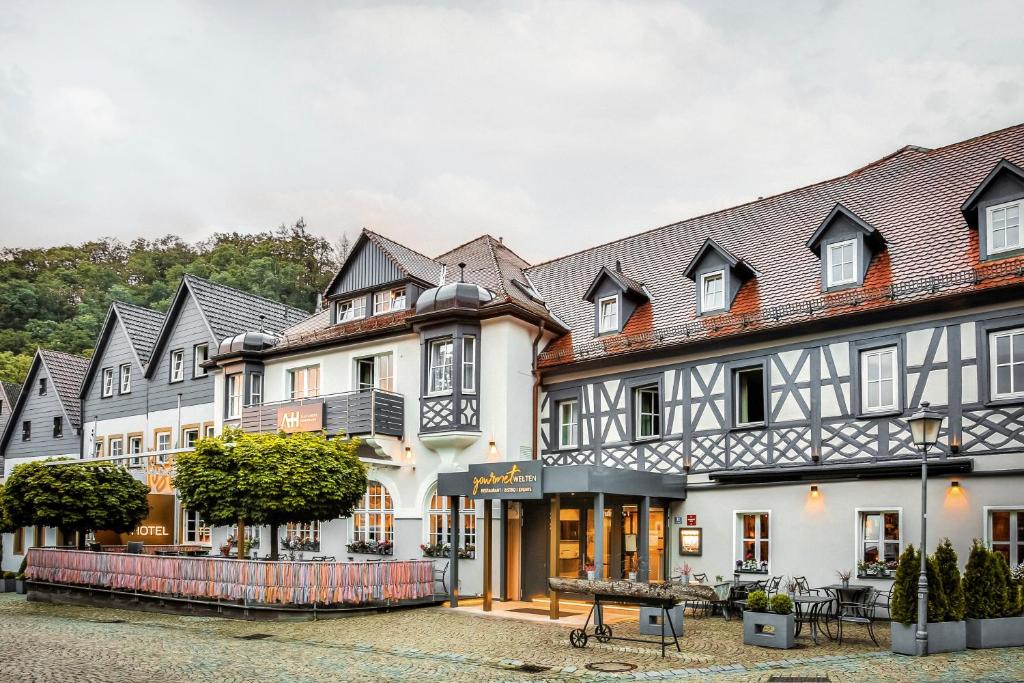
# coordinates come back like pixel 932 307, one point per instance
pixel 371 412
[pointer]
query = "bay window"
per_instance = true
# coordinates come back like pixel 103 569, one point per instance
pixel 234 406
pixel 469 365
pixel 439 371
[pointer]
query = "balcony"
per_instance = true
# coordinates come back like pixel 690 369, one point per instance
pixel 356 413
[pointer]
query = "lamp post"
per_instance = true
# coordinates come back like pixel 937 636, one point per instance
pixel 924 429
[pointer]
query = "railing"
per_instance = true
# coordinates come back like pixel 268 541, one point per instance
pixel 248 581
pixel 154 549
pixel 356 413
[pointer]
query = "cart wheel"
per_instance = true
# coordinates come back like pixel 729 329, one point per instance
pixel 578 637
pixel 603 633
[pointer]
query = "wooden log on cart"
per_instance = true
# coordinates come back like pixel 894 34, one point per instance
pixel 669 590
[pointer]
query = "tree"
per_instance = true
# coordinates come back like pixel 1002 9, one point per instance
pixel 14 367
pixel 904 594
pixel 949 577
pixel 978 583
pixel 74 497
pixel 271 479
pixel 1006 595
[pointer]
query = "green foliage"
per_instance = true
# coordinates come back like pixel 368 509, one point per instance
pixel 781 604
pixel 949 576
pixel 757 601
pixel 903 607
pixel 1007 595
pixel 938 605
pixel 74 497
pixel 271 479
pixel 57 297
pixel 979 583
pixel 21 569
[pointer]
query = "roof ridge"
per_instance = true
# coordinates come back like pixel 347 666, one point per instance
pixel 41 350
pixel 188 276
pixel 464 244
pixel 118 302
pixel 404 246
pixel 497 266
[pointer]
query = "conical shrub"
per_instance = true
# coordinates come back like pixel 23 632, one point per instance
pixel 949 577
pixel 977 583
pixel 938 606
pixel 903 607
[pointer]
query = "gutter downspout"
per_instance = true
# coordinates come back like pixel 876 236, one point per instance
pixel 536 393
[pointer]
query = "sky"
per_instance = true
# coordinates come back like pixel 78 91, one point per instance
pixel 556 126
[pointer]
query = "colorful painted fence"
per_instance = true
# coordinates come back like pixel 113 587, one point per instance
pixel 247 581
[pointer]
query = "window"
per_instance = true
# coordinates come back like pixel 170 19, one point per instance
pixel 125 375
pixel 1006 534
pixel 350 309
pixel 26 430
pixel 135 447
pixel 375 372
pixel 108 382
pixel 304 382
pixel 1004 227
pixel 749 388
pixel 255 389
pixel 116 448
pixel 99 448
pixel 608 317
pixel 469 365
pixel 841 261
pixel 440 371
pixel 307 534
pixel 195 530
pixel 19 542
pixel 880 548
pixel 568 423
pixel 439 517
pixel 754 543
pixel 200 353
pixel 879 383
pixel 1008 364
pixel 163 443
pixel 177 365
pixel 58 427
pixel 712 291
pixel 42 386
pixel 189 437
pixel 209 430
pixel 391 300
pixel 234 407
pixel 374 519
pixel 647 408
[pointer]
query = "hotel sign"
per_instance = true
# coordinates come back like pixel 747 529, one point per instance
pixel 506 480
pixel 300 417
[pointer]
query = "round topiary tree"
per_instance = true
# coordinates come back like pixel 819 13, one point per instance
pixel 757 601
pixel 781 604
pixel 903 607
pixel 949 577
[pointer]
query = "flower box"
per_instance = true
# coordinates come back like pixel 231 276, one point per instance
pixel 371 547
pixel 445 550
pixel 1004 632
pixel 767 629
pixel 943 636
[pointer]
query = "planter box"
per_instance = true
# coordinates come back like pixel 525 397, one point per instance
pixel 7 586
pixel 766 629
pixel 1005 632
pixel 19 587
pixel 944 636
pixel 650 621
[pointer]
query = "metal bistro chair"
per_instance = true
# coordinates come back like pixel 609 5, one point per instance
pixel 772 587
pixel 858 613
pixel 704 607
pixel 804 588
pixel 441 575
pixel 883 600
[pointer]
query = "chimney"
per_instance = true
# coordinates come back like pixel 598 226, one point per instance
pixel 618 266
pixel 462 272
pixel 501 240
pixel 263 327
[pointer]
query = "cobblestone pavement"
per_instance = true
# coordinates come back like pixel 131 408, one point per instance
pixel 40 642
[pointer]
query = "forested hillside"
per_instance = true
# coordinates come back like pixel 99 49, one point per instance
pixel 57 297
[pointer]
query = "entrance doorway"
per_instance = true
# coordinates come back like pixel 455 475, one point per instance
pixel 513 550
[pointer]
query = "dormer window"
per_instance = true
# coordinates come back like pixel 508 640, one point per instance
pixel 712 291
pixel 388 301
pixel 1003 223
pixel 842 261
pixel 608 314
pixel 350 309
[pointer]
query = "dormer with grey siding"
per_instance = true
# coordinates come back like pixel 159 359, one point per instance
pixel 615 297
pixel 718 276
pixel 995 210
pixel 845 245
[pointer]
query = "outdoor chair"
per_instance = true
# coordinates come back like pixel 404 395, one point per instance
pixel 804 588
pixel 441 575
pixel 858 613
pixel 702 607
pixel 772 587
pixel 135 547
pixel 884 599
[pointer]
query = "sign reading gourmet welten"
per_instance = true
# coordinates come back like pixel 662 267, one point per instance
pixel 301 417
pixel 509 480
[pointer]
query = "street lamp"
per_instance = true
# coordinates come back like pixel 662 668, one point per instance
pixel 924 430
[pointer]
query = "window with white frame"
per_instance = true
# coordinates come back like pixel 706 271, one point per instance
pixel 568 423
pixel 608 314
pixel 754 543
pixel 98 451
pixel 375 372
pixel 200 353
pixel 135 447
pixel 374 520
pixel 469 365
pixel 304 382
pixel 307 535
pixel 125 376
pixel 255 389
pixel 189 437
pixel 1006 534
pixel 439 371
pixel 880 542
pixel 209 430
pixel 439 520
pixel 108 382
pixel 647 412
pixel 712 291
pixel 177 365
pixel 234 387
pixel 116 448
pixel 1004 227
pixel 163 443
pixel 1007 361
pixel 194 529
pixel 749 396
pixel 879 379
pixel 350 309
pixel 842 261
pixel 390 300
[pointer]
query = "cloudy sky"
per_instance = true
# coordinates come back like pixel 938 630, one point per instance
pixel 556 126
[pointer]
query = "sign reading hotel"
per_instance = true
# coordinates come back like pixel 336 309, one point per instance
pixel 305 417
pixel 506 480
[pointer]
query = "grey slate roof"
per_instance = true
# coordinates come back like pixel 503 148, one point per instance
pixel 66 374
pixel 491 264
pixel 230 311
pixel 142 326
pixel 412 262
pixel 13 391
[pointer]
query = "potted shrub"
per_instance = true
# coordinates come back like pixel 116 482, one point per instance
pixel 946 630
pixel 7 584
pixel 769 624
pixel 993 596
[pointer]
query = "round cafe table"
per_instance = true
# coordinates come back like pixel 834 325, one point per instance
pixel 808 610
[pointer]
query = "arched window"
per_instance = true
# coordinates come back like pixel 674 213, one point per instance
pixel 439 519
pixel 374 519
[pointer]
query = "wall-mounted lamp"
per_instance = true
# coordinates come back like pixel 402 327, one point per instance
pixel 493 447
pixel 408 453
pixel 814 491
pixel 954 445
pixel 955 485
pixel 686 465
pixel 815 455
